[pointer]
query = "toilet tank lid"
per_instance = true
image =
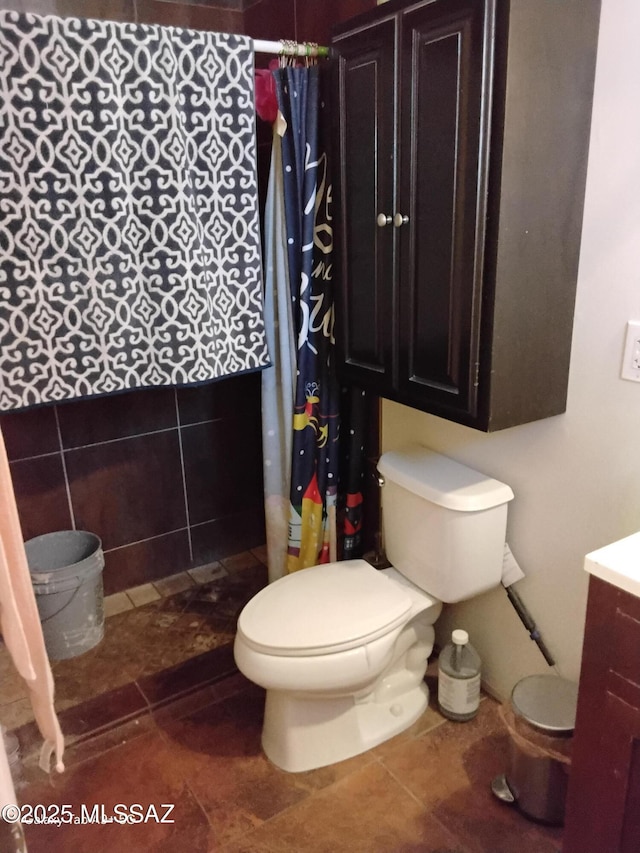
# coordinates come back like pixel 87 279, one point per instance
pixel 441 480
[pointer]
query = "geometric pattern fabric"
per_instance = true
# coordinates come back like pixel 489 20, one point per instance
pixel 129 234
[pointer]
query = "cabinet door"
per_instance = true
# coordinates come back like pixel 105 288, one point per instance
pixel 603 801
pixel 446 54
pixel 366 148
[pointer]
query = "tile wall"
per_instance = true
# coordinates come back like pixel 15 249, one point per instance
pixel 167 478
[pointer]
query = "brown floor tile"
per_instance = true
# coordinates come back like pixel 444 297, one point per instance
pixel 429 720
pixel 426 791
pixel 16 714
pixel 174 584
pixel 487 826
pixel 152 638
pixel 99 713
pixel 208 572
pixel 237 683
pixel 240 562
pixel 366 812
pixel 143 594
pixel 142 771
pixel 261 554
pixel 175 709
pixel 324 777
pixel 92 674
pixel 97 744
pixel 450 768
pixel 103 711
pixel 218 751
pixel 189 676
pixel 219 600
pixel 139 643
pixel 433 766
pixel 12 684
pixel 116 603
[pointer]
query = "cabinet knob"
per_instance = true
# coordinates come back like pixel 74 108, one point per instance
pixel 382 220
pixel 399 220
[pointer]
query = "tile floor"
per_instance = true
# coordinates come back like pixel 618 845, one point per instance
pixel 158 715
pixel 426 790
pixel 148 630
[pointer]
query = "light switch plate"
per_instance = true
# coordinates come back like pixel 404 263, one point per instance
pixel 631 359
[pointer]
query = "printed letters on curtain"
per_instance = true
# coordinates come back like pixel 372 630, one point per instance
pixel 314 474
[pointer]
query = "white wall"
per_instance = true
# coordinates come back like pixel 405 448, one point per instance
pixel 576 477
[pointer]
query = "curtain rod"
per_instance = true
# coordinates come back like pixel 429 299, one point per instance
pixel 284 47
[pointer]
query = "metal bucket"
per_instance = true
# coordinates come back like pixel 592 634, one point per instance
pixel 66 572
pixel 540 721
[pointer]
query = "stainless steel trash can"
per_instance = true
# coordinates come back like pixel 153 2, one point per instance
pixel 541 723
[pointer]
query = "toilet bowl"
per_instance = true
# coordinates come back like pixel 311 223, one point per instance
pixel 342 651
pixel 342 648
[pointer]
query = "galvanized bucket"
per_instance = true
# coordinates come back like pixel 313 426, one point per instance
pixel 66 572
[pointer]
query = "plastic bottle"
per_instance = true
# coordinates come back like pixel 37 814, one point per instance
pixel 459 678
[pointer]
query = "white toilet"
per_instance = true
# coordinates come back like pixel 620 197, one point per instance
pixel 342 648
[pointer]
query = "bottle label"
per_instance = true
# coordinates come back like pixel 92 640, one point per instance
pixel 458 695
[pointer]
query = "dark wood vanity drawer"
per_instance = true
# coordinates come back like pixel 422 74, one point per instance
pixel 625 646
pixel 603 802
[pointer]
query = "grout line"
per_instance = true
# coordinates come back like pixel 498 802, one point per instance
pixel 107 440
pixel 181 530
pixel 141 541
pixel 64 470
pixel 135 435
pixel 134 606
pixel 187 572
pixel 242 511
pixel 312 793
pixel 184 476
pixel 149 708
pixel 120 438
pixel 408 791
pixel 184 776
pixel 193 794
pixel 35 456
pixel 458 839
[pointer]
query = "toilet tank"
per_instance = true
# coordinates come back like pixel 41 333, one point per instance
pixel 444 524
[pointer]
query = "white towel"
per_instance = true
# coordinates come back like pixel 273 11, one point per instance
pixel 20 621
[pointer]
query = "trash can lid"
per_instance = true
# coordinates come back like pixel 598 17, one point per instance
pixel 548 702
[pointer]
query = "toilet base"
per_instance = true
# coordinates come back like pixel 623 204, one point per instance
pixel 302 733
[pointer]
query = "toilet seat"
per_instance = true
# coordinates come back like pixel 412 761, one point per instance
pixel 324 610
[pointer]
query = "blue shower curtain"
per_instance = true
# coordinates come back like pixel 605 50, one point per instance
pixel 278 381
pixel 307 192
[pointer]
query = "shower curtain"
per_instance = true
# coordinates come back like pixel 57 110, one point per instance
pixel 306 184
pixel 352 414
pixel 278 381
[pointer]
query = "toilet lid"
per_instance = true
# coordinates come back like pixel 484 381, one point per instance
pixel 324 609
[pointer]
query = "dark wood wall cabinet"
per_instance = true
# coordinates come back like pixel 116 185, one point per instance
pixel 603 801
pixel 461 141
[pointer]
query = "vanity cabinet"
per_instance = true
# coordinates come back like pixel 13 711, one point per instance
pixel 603 801
pixel 461 143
